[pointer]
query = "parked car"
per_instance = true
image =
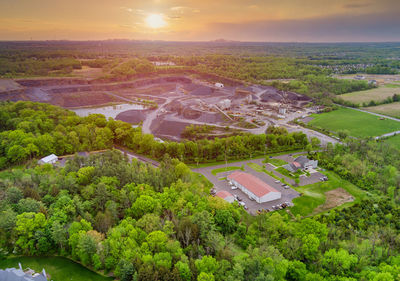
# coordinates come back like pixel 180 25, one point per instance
pixel 286 186
pixel 233 187
pixel 242 203
pixel 277 181
pixel 245 207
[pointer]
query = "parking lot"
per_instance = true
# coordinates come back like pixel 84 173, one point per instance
pixel 287 194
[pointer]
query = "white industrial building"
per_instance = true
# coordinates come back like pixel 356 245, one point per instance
pixel 254 187
pixel 226 196
pixel 224 104
pixel 50 159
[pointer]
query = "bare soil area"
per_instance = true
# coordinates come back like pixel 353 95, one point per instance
pixel 82 99
pixel 334 198
pixel 88 72
pixel 9 85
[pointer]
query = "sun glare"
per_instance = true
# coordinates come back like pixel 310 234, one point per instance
pixel 155 21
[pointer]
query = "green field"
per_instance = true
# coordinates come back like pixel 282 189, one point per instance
pixel 314 194
pixel 224 169
pixel 358 124
pixel 390 109
pixel 58 268
pixel 376 94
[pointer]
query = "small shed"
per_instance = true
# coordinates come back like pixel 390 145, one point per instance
pixel 226 196
pixel 50 159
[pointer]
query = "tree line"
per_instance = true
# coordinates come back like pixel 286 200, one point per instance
pixel 30 130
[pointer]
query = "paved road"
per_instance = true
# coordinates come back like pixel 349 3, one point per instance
pixel 139 157
pixel 311 133
pixel 388 135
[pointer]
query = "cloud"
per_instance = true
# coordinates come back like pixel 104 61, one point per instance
pixel 129 10
pixel 178 8
pixel 356 5
pixel 371 27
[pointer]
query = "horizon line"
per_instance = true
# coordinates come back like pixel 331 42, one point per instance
pixel 189 41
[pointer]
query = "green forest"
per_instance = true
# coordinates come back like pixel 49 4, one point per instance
pixel 133 221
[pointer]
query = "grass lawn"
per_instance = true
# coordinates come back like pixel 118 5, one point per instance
pixel 393 85
pixel 314 194
pixel 275 162
pixel 395 140
pixel 358 124
pixel 376 94
pixel 285 172
pixel 390 109
pixel 58 268
pixel 224 169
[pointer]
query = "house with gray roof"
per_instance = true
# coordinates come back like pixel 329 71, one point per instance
pixel 14 274
pixel 301 163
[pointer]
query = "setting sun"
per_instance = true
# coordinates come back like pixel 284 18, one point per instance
pixel 155 21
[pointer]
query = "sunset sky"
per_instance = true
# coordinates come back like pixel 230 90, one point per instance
pixel 189 20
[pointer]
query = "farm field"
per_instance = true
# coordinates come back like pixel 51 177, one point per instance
pixel 58 268
pixel 358 124
pixel 322 196
pixel 376 94
pixel 390 109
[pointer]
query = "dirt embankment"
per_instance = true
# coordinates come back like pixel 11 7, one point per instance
pixel 52 82
pixel 334 198
pixel 119 86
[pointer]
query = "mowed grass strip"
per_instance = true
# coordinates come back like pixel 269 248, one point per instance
pixel 224 169
pixel 390 109
pixel 274 161
pixel 357 123
pixel 58 268
pixel 314 194
pixel 376 94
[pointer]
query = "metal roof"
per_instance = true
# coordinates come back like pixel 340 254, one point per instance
pixel 252 183
pixel 223 194
pixel 49 158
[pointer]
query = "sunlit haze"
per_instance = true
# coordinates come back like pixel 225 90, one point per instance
pixel 250 20
pixel 155 21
